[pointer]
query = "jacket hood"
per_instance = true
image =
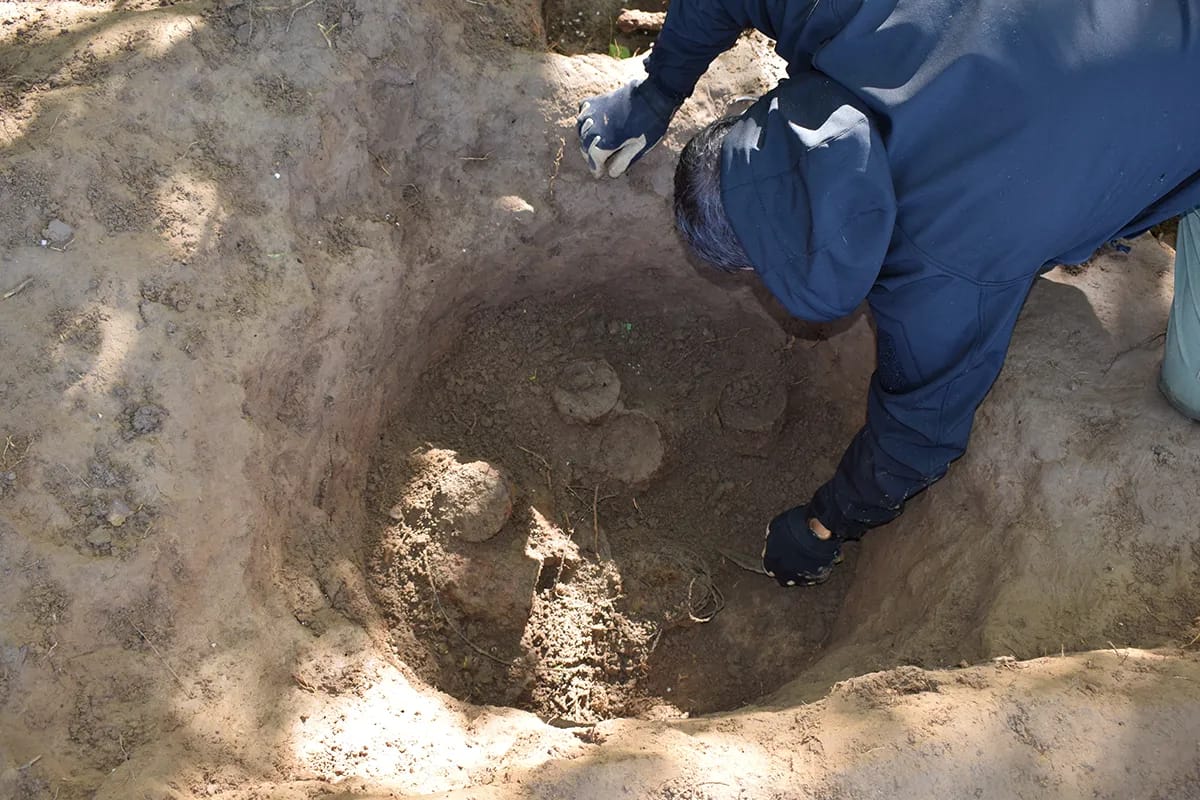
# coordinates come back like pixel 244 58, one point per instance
pixel 807 188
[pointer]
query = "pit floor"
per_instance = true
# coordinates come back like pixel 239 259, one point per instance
pixel 646 614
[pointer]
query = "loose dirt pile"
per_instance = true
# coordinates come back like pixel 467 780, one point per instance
pixel 345 419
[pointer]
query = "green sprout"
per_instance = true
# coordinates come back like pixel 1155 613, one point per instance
pixel 618 50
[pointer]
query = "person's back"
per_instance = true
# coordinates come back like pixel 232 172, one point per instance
pixel 929 157
pixel 1026 131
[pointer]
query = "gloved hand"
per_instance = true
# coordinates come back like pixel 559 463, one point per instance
pixel 618 128
pixel 793 555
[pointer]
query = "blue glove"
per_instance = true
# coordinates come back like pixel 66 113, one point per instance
pixel 795 556
pixel 618 128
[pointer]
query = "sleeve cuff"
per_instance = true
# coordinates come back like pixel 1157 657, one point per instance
pixel 824 507
pixel 663 102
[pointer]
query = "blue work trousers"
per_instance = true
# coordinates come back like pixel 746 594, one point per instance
pixel 1180 380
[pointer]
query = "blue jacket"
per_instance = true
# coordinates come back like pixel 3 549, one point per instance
pixel 933 157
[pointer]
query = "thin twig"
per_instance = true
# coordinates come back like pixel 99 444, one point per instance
pixel 720 339
pixel 296 11
pixel 76 477
pixel 574 490
pixel 692 351
pixel 484 157
pixel 470 428
pixel 29 764
pixel 379 163
pixel 20 288
pixel 158 653
pixel 187 150
pixel 654 643
pixel 545 463
pixel 570 529
pixel 9 444
pixel 453 627
pixel 596 521
pixel 538 456
pixel 1195 639
pixel 1149 340
pixel 686 355
pixel 578 314
pixel 326 31
pixel 558 157
pixel 1118 655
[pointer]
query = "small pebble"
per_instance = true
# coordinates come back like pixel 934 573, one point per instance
pixel 100 539
pixel 118 512
pixel 57 232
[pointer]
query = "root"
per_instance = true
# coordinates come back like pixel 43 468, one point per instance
pixel 705 606
pixel 704 599
pixel 158 653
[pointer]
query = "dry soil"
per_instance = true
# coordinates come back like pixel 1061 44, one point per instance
pixel 356 443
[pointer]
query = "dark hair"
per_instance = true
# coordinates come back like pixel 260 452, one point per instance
pixel 699 211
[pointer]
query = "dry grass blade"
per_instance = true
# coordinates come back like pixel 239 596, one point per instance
pixel 158 653
pixel 545 464
pixel 296 11
pixel 326 31
pixel 596 520
pixel 20 287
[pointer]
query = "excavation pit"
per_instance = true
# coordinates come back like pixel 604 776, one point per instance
pixel 605 593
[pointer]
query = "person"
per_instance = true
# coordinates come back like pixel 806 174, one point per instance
pixel 931 157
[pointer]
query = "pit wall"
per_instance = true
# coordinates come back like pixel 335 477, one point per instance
pixel 427 167
pixel 464 172
pixel 1064 528
pixel 1068 525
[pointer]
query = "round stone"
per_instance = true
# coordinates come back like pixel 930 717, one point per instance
pixel 587 390
pixel 100 539
pixel 476 502
pixel 752 404
pixel 631 447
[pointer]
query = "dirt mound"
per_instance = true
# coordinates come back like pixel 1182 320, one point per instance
pixel 342 410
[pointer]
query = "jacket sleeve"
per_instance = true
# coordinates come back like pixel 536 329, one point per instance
pixel 941 342
pixel 695 33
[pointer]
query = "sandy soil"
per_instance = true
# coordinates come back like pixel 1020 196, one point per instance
pixel 277 277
